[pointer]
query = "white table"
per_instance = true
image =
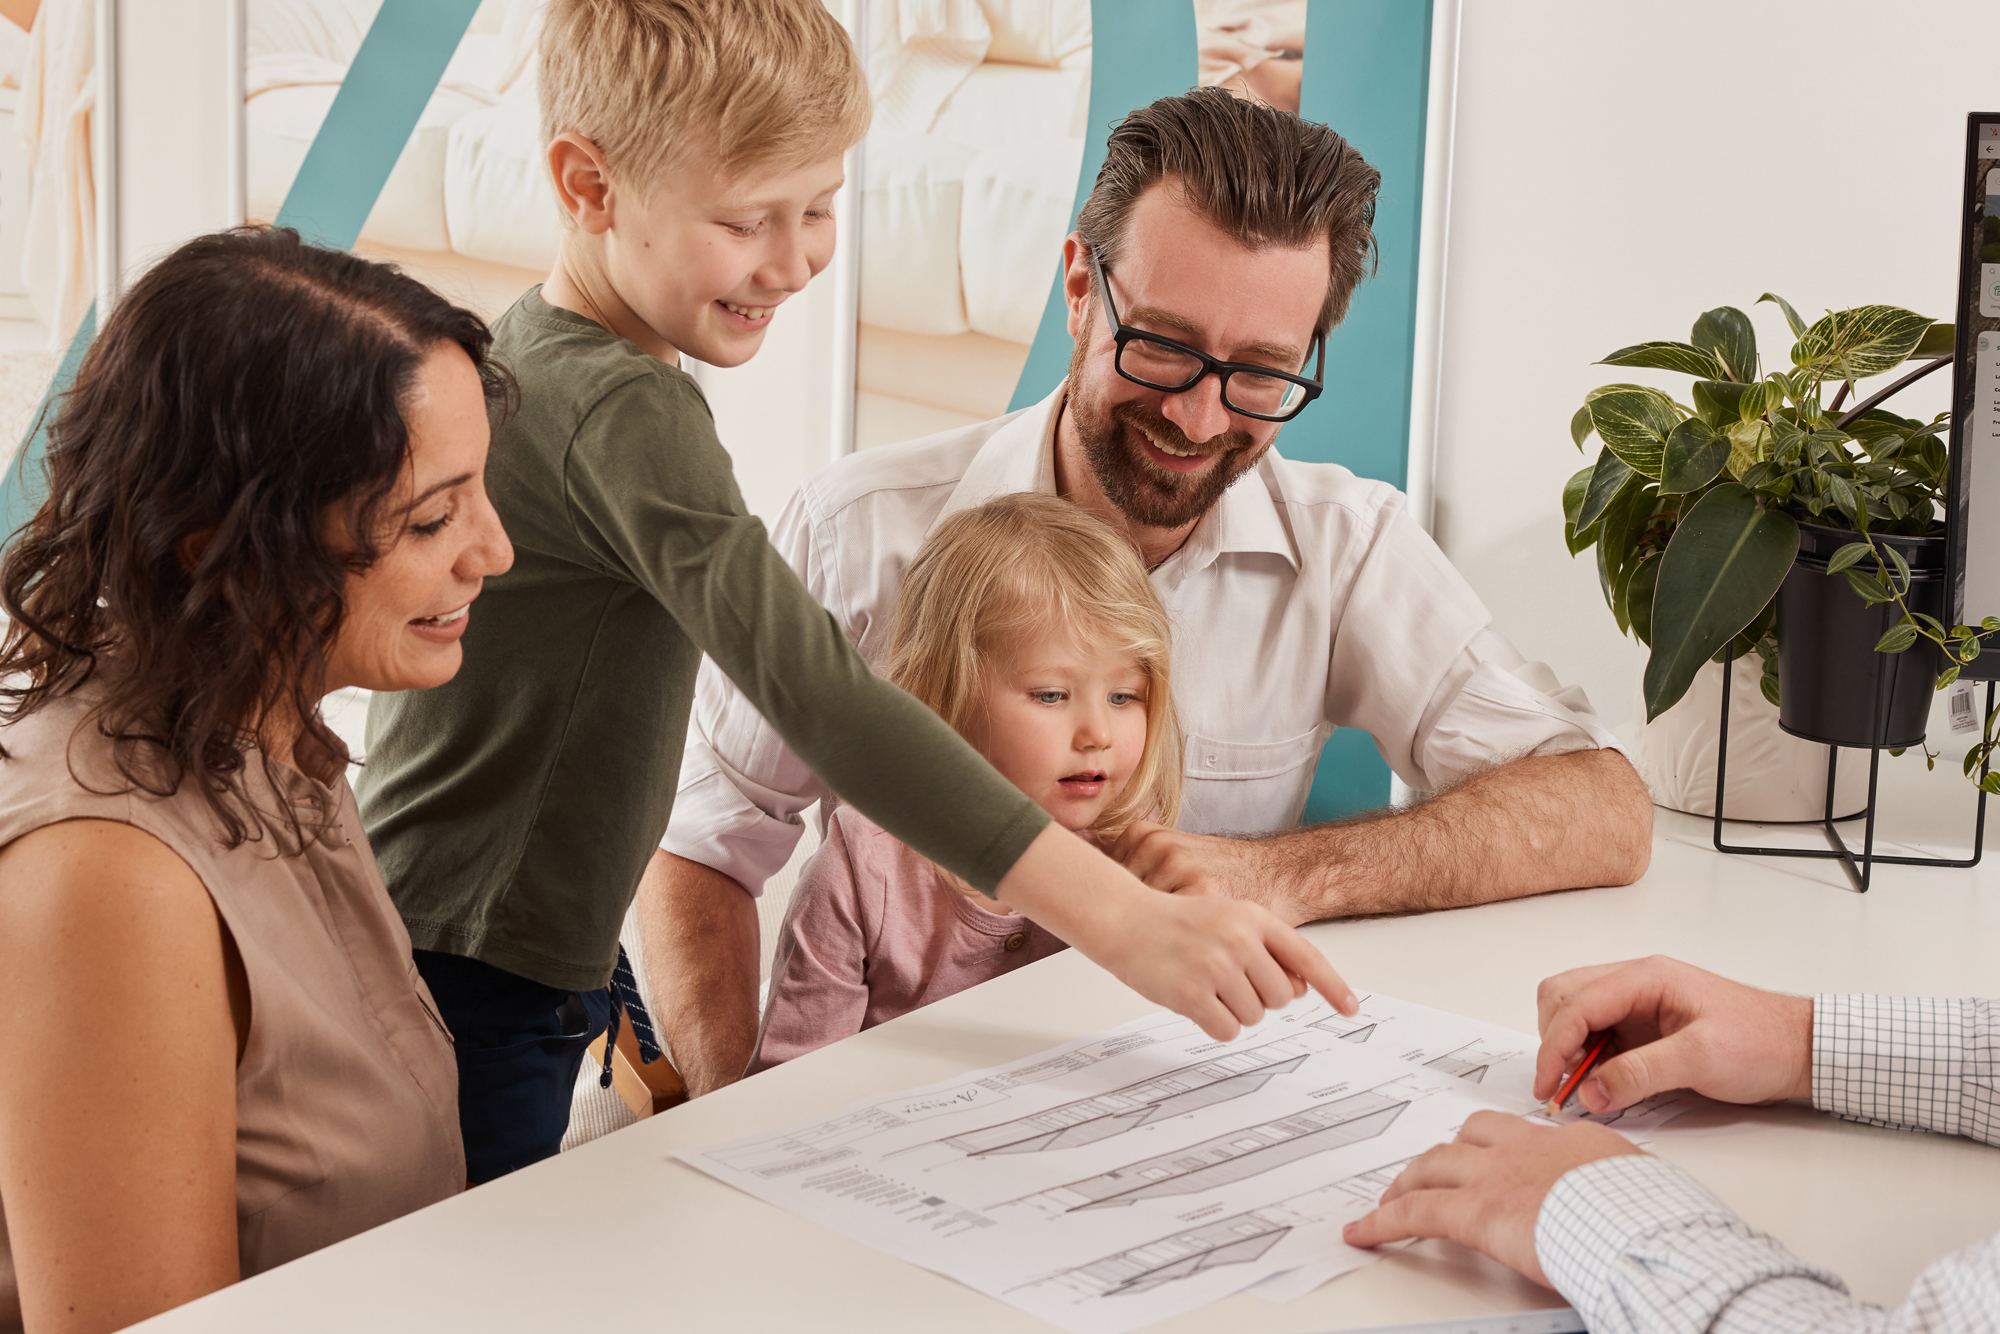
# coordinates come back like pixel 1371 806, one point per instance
pixel 618 1235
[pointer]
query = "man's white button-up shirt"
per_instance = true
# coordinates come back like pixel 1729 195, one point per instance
pixel 1306 600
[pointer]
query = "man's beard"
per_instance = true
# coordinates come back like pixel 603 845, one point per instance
pixel 1143 491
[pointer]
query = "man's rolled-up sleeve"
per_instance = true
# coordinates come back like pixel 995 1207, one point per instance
pixel 1417 664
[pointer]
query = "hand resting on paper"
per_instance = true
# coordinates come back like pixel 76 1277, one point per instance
pixel 1676 1027
pixel 1485 1188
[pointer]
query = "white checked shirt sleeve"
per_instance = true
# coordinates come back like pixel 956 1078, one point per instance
pixel 1640 1247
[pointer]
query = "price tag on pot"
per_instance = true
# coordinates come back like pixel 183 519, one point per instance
pixel 1958 703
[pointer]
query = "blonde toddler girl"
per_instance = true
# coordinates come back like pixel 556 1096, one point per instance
pixel 1031 628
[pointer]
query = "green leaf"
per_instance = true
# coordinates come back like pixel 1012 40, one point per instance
pixel 1900 637
pixel 1846 556
pixel 1758 399
pixel 1663 355
pixel 1727 558
pixel 1604 389
pixel 1579 426
pixel 1864 341
pixel 1608 480
pixel 1791 316
pixel 1947 676
pixel 1573 491
pixel 1940 340
pixel 1745 438
pixel 1726 334
pixel 1990 784
pixel 1719 402
pixel 1870 589
pixel 1694 457
pixel 1902 566
pixel 1640 590
pixel 1634 424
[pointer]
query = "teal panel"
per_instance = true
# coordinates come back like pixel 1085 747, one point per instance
pixel 373 115
pixel 1351 778
pixel 1141 50
pixel 21 491
pixel 1367 74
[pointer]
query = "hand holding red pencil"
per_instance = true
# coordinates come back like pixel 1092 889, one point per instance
pixel 1671 1026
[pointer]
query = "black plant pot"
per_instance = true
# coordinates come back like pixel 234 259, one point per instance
pixel 1831 681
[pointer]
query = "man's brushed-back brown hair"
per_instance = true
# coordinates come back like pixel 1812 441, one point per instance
pixel 1263 176
pixel 757 84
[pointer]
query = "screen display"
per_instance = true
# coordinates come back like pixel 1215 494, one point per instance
pixel 1975 433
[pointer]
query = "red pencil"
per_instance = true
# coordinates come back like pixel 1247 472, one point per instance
pixel 1576 1076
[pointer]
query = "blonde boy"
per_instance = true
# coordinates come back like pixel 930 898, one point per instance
pixel 695 146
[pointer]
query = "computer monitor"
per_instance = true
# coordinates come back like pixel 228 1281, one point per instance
pixel 1972 493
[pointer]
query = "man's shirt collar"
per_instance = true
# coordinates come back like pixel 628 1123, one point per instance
pixel 1021 457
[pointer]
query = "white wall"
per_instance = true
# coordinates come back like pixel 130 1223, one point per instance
pixel 1621 168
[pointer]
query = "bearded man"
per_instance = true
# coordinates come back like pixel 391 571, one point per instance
pixel 1222 241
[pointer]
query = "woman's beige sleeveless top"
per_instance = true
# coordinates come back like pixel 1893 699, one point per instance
pixel 346 1093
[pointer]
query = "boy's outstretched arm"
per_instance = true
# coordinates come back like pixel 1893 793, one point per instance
pixel 1220 962
pixel 700 929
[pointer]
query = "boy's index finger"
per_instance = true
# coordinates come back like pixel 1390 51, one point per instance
pixel 1302 959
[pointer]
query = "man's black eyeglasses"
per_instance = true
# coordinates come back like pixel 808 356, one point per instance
pixel 1161 363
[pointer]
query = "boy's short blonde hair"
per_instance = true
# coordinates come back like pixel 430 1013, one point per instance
pixel 1006 573
pixel 754 83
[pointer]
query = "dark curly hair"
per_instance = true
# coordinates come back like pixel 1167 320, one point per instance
pixel 243 388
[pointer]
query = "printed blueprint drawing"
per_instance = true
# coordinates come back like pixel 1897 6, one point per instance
pixel 1128 1176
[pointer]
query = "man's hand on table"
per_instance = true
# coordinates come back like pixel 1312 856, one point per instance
pixel 1532 825
pixel 1676 1027
pixel 1485 1188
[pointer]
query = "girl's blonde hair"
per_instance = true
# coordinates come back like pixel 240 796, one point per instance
pixel 1010 571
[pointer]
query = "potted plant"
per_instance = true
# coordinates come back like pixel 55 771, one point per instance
pixel 1701 513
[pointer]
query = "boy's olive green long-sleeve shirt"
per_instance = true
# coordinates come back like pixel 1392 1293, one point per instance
pixel 514 808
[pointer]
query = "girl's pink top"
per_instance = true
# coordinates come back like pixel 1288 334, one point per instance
pixel 872 933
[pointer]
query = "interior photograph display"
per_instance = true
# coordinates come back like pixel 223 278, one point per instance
pixel 468 207
pixel 981 115
pixel 47 211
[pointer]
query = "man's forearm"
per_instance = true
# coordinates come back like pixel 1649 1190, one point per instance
pixel 700 929
pixel 1538 824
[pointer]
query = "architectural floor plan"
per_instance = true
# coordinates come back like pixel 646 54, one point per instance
pixel 1131 1175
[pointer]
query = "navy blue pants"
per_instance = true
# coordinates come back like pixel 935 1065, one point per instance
pixel 520 1045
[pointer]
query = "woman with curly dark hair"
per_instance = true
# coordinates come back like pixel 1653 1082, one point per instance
pixel 266 485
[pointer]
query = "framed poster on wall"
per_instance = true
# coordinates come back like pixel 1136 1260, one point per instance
pixel 468 207
pixel 989 130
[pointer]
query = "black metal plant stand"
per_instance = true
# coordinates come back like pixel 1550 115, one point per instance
pixel 1861 873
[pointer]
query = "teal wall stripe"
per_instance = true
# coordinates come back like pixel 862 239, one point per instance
pixel 373 115
pixel 1142 50
pixel 1367 74
pixel 22 489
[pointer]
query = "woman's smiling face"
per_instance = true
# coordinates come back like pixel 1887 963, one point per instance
pixel 403 616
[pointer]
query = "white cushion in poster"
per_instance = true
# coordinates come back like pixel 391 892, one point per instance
pixel 1016 213
pixel 329 29
pixel 910 233
pixel 279 126
pixel 1039 32
pixel 1005 104
pixel 498 203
